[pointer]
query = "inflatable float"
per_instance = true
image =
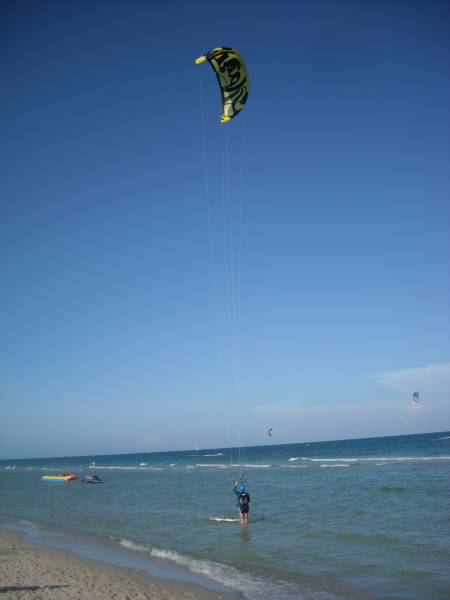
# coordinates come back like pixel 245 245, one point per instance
pixel 59 478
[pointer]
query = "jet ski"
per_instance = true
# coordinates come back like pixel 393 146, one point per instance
pixel 92 479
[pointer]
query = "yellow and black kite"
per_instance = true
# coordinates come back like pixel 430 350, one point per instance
pixel 232 76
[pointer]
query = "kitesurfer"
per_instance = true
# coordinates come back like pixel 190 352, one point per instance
pixel 243 500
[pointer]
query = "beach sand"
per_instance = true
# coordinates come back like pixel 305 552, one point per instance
pixel 29 570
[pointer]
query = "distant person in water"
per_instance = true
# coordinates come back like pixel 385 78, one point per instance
pixel 243 500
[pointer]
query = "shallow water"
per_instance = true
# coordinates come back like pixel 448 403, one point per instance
pixel 347 519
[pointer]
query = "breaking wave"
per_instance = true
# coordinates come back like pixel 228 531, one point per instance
pixel 369 459
pixel 250 586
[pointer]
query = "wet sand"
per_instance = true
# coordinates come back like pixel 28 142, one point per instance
pixel 34 571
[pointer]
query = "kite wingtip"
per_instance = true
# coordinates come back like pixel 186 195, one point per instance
pixel 200 60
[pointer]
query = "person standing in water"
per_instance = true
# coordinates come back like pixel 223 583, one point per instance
pixel 243 500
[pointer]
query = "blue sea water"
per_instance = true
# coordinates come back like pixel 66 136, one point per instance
pixel 352 519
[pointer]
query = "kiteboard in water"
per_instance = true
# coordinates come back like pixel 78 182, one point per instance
pixel 225 519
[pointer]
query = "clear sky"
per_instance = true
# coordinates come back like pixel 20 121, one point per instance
pixel 111 339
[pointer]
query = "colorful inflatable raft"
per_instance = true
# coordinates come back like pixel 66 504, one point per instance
pixel 59 478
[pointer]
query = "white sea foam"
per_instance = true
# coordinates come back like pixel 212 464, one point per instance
pixel 121 468
pixel 29 523
pixel 226 466
pixel 209 466
pixel 321 460
pixel 446 437
pixel 371 459
pixel 334 466
pixel 213 454
pixel 133 545
pixel 142 464
pixel 252 587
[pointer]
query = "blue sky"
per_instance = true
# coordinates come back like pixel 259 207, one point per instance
pixel 109 326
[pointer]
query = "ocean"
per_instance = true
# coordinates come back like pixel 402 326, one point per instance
pixel 349 519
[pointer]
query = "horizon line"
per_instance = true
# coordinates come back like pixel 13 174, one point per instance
pixel 372 437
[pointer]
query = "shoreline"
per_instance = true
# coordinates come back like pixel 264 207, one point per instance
pixel 31 569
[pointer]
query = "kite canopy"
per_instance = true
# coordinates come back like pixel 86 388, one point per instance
pixel 232 76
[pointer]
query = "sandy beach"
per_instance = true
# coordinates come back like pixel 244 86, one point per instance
pixel 29 570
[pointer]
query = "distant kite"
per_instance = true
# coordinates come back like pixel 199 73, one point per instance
pixel 269 432
pixel 416 397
